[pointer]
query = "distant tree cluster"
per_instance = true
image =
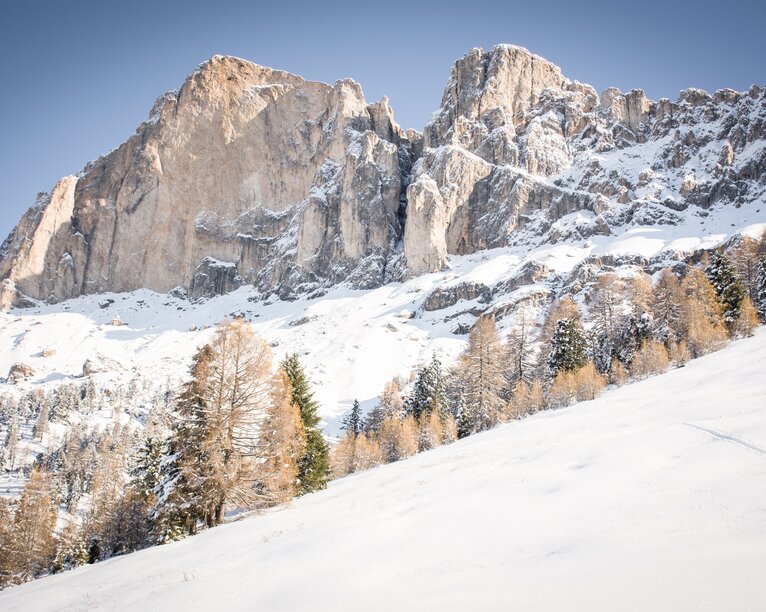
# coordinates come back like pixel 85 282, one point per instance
pixel 240 434
pixel 634 328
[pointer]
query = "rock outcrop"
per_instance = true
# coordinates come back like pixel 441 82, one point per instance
pixel 19 372
pixel 291 182
pixel 248 175
pixel 516 148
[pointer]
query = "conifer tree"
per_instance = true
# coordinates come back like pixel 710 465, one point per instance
pixel 390 403
pixel 520 356
pixel 10 446
pixel 728 287
pixel 651 360
pixel 745 260
pixel 42 422
pixel 747 319
pixel 214 445
pixel 465 420
pixel 760 291
pixel 398 438
pixel 32 544
pixel 702 324
pixel 568 348
pixel 146 472
pixel 71 550
pixel 563 308
pixel 283 445
pixel 431 431
pixel 354 454
pixel 314 466
pixel 352 422
pixel 667 307
pixel 482 374
pixel 428 390
pixel 605 307
pixel 6 544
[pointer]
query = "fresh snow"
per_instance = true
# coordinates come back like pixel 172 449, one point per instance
pixel 652 497
pixel 351 341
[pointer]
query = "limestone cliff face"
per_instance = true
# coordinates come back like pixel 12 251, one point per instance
pixel 516 148
pixel 252 175
pixel 244 175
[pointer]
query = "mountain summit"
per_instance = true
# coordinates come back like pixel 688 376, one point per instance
pixel 249 175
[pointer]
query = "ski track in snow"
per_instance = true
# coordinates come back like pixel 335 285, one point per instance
pixel 719 435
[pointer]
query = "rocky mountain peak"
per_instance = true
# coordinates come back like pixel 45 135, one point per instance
pixel 247 174
pixel 496 87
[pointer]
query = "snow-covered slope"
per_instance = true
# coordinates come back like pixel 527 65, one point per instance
pixel 352 341
pixel 652 497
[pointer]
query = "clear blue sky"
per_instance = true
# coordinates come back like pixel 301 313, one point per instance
pixel 79 76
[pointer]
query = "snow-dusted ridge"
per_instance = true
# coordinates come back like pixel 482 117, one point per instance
pixel 651 497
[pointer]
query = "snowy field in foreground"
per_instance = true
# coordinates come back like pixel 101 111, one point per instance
pixel 652 497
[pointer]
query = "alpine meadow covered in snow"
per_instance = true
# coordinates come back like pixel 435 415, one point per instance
pixel 510 361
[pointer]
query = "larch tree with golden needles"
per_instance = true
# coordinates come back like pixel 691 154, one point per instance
pixel 215 442
pixel 702 321
pixel 482 372
pixel 32 545
pixel 282 444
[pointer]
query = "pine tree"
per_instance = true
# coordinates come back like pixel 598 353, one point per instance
pixel 635 330
pixel 667 307
pixel 568 348
pixel 563 308
pixel 42 422
pixel 390 403
pixel 146 472
pixel 352 422
pixel 428 390
pixel 11 442
pixel 520 356
pixel 6 544
pixel 71 549
pixel 760 292
pixel 465 421
pixel 728 287
pixel 314 466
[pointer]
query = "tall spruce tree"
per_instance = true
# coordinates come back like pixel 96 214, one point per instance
pixel 568 349
pixel 428 391
pixel 728 287
pixel 314 466
pixel 465 419
pixel 760 293
pixel 667 307
pixel 352 422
